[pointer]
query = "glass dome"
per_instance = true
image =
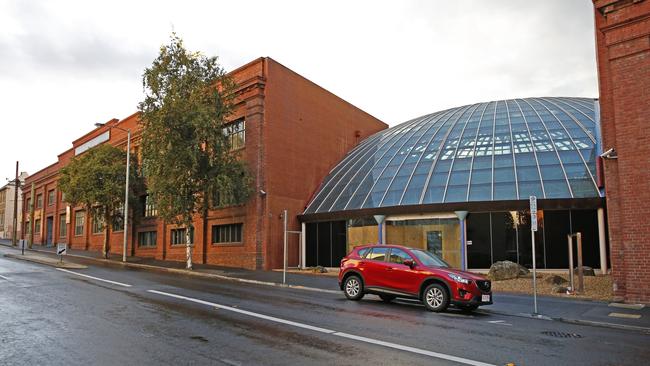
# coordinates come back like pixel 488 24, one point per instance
pixel 494 151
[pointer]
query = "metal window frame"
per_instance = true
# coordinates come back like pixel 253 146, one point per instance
pixel 454 156
pixel 447 115
pixel 434 163
pixel 530 138
pixel 584 162
pixel 557 153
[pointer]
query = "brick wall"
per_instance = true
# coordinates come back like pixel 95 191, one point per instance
pixel 623 52
pixel 295 133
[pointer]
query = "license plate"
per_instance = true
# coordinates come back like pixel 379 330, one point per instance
pixel 485 298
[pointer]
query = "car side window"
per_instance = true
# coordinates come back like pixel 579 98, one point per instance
pixel 399 256
pixel 378 254
pixel 363 252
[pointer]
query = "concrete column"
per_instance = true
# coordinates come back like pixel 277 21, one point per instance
pixel 602 241
pixel 463 242
pixel 380 227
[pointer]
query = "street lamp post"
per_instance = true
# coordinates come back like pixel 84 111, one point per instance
pixel 126 186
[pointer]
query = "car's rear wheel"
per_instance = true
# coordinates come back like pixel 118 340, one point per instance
pixel 387 298
pixel 435 298
pixel 353 288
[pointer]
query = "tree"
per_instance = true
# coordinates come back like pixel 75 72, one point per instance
pixel 187 158
pixel 95 180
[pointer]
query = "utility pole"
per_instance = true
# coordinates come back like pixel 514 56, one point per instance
pixel 16 187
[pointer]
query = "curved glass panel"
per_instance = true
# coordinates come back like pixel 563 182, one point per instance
pixel 502 150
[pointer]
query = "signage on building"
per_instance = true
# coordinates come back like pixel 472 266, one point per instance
pixel 533 213
pixel 92 143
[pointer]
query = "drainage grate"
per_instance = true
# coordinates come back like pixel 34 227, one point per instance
pixel 561 334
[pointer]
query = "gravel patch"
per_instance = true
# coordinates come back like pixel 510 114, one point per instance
pixel 596 288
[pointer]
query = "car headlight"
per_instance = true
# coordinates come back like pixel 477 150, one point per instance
pixel 458 278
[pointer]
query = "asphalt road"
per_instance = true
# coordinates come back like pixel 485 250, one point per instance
pixel 52 317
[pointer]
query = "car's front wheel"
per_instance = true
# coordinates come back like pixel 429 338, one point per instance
pixel 435 297
pixel 353 288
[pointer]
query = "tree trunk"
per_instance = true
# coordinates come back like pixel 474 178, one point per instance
pixel 188 245
pixel 107 235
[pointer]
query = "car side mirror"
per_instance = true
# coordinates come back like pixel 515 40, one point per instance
pixel 410 263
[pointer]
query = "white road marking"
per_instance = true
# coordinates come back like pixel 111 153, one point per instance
pixel 94 278
pixel 329 331
pixel 627 306
pixel 625 315
pixel 6 278
pixel 499 322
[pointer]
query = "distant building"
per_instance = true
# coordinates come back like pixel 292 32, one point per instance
pixel 290 131
pixel 623 53
pixel 7 194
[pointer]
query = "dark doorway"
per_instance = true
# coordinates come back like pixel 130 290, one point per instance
pixel 49 224
pixel 326 243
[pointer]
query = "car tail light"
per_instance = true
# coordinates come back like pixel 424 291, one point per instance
pixel 345 259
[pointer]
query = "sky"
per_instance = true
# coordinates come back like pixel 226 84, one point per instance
pixel 66 65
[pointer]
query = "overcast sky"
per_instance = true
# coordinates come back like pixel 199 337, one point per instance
pixel 65 65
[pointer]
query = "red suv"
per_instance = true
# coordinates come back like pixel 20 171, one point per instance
pixel 392 271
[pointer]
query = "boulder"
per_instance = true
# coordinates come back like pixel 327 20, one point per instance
pixel 586 270
pixel 505 270
pixel 555 280
pixel 319 269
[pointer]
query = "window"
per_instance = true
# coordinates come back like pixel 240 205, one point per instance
pixel 79 221
pixel 39 201
pixel 378 254
pixel 28 227
pixel 118 219
pixel 429 259
pixel 28 204
pixel 363 252
pixel 399 256
pixel 63 227
pixel 178 236
pixel 149 209
pixel 227 233
pixel 62 197
pixel 147 239
pixel 37 226
pixel 98 224
pixel 235 133
pixel 50 197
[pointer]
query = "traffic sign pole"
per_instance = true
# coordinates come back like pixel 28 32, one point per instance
pixel 533 229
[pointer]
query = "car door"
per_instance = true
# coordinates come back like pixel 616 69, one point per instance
pixel 399 276
pixel 374 267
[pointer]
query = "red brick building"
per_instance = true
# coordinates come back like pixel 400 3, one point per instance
pixel 623 51
pixel 291 131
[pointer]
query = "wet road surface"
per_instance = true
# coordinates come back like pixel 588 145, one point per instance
pixel 53 317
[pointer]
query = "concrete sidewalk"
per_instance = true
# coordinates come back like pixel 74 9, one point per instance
pixel 595 313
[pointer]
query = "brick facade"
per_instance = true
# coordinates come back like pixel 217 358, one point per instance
pixel 295 133
pixel 623 52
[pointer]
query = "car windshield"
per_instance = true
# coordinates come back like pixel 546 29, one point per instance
pixel 428 258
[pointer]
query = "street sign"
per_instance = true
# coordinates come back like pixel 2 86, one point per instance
pixel 533 213
pixel 61 249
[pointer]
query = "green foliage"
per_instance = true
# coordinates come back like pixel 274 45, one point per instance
pixel 95 179
pixel 186 157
